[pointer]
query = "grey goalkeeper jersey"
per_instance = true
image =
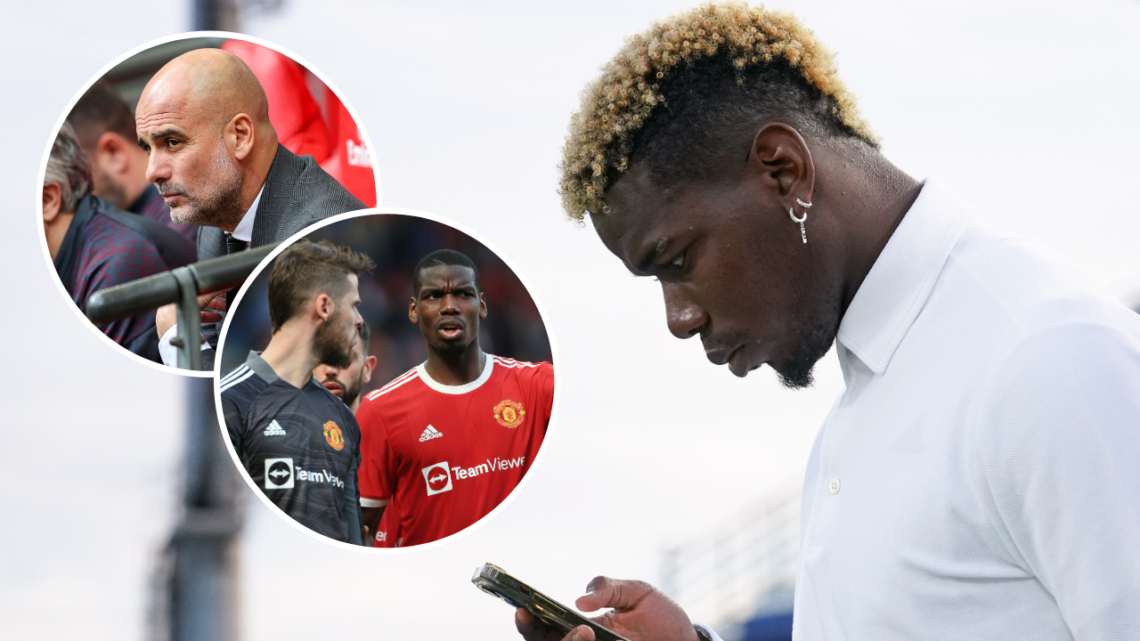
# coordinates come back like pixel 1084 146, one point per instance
pixel 301 447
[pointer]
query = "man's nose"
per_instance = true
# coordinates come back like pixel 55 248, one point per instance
pixel 156 168
pixel 449 304
pixel 684 317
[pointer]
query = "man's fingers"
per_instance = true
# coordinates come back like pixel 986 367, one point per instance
pixel 604 592
pixel 213 301
pixel 581 633
pixel 534 630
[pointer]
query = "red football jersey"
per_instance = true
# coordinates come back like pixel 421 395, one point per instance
pixel 441 457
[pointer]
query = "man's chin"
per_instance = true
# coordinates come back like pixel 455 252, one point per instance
pixel 450 348
pixel 186 215
pixel 796 379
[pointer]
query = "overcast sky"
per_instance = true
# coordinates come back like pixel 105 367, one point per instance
pixel 1026 109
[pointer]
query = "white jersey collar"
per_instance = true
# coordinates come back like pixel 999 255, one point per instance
pixel 457 389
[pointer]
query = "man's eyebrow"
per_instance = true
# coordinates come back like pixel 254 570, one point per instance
pixel 462 287
pixel 165 133
pixel 646 263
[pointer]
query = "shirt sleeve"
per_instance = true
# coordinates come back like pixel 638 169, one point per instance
pixel 234 422
pixel 377 471
pixel 1058 458
pixel 545 385
pixel 135 259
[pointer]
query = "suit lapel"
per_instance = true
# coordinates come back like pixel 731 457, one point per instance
pixel 276 196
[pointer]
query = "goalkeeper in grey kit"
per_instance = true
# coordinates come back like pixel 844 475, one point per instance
pixel 298 441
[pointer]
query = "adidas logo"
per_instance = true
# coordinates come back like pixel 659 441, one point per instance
pixel 430 433
pixel 274 429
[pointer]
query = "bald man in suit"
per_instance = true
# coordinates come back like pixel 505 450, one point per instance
pixel 214 157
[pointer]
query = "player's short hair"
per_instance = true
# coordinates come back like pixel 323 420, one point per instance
pixel 441 257
pixel 675 94
pixel 307 269
pixel 69 168
pixel 101 109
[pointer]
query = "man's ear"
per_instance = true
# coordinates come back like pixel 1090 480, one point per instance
pixel 111 153
pixel 323 306
pixel 244 135
pixel 781 160
pixel 369 365
pixel 482 306
pixel 413 313
pixel 53 200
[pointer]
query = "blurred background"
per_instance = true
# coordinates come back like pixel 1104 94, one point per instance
pixel 1025 109
pixel 396 243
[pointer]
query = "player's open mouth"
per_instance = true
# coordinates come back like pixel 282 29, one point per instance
pixel 450 331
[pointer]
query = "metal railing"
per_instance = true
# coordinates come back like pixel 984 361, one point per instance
pixel 725 576
pixel 181 287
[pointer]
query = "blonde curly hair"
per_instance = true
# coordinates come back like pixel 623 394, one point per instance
pixel 686 79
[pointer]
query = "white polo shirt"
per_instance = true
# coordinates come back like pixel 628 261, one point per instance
pixel 980 476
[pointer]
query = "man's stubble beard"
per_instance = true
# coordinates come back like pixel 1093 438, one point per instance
pixel 350 393
pixel 108 189
pixel 218 203
pixel 329 346
pixel 814 342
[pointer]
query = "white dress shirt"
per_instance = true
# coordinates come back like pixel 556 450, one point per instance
pixel 244 232
pixel 980 476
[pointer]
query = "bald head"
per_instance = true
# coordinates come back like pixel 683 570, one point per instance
pixel 209 82
pixel 204 120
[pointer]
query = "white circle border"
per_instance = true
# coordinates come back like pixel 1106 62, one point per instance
pixel 38 209
pixel 556 362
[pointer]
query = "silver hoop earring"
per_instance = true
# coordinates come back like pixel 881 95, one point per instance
pixel 800 220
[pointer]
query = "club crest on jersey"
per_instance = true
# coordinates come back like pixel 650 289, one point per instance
pixel 509 414
pixel 333 436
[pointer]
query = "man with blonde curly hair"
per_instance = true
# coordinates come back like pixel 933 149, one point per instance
pixel 976 479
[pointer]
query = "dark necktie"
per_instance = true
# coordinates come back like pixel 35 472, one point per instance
pixel 234 245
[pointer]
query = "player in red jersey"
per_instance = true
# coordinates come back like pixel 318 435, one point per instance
pixel 446 442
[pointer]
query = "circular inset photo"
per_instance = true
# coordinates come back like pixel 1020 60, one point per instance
pixel 386 381
pixel 177 157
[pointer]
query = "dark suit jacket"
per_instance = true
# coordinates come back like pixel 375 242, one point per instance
pixel 297 193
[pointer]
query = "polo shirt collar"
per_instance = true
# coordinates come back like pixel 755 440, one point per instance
pixel 260 367
pixel 68 250
pixel 899 283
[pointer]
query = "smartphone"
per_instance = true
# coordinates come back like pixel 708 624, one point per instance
pixel 493 580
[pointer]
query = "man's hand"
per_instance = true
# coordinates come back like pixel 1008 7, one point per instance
pixel 641 613
pixel 167 315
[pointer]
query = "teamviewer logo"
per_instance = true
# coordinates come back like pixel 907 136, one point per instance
pixel 278 473
pixel 438 478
